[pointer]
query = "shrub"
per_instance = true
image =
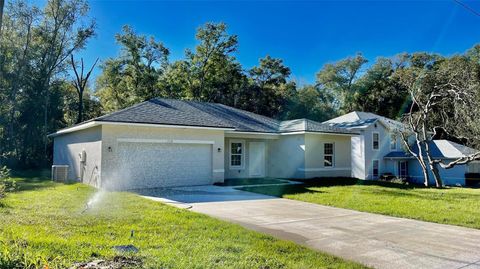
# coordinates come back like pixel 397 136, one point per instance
pixel 7 184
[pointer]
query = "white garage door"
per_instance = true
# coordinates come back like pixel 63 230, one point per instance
pixel 150 165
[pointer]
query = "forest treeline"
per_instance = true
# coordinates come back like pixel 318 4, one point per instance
pixel 39 95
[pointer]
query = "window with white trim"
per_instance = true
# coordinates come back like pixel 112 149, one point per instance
pixel 236 154
pixel 393 142
pixel 375 141
pixel 328 154
pixel 375 168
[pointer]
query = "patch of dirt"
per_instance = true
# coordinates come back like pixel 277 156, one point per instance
pixel 117 262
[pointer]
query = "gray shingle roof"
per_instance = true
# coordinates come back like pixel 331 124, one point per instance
pixel 193 113
pixel 440 149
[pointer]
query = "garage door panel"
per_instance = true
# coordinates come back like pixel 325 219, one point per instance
pixel 148 165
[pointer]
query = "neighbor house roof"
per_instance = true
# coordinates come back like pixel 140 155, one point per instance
pixel 360 120
pixel 398 155
pixel 440 149
pixel 307 125
pixel 161 111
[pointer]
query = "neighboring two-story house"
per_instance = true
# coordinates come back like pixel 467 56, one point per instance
pixel 379 150
pixel 377 138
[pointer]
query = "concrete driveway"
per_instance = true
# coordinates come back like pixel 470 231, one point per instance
pixel 375 240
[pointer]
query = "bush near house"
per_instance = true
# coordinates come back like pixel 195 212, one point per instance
pixel 7 184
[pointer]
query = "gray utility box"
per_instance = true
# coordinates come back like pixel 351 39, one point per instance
pixel 59 173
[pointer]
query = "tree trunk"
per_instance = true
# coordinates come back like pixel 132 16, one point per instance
pixel 45 116
pixel 434 168
pixel 422 162
pixel 2 4
pixel 80 107
pixel 436 174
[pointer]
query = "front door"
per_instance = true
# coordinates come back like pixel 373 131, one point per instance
pixel 403 169
pixel 256 162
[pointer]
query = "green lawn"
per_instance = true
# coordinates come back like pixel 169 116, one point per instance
pixel 457 206
pixel 43 224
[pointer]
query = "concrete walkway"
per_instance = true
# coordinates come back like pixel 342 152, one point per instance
pixel 375 240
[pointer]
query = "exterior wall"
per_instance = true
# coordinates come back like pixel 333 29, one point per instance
pixel 358 157
pixel 66 150
pixel 451 177
pixel 243 172
pixel 391 166
pixel 384 149
pixel 111 134
pixel 286 157
pixel 295 156
pixel 314 156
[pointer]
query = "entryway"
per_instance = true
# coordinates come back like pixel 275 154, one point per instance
pixel 403 169
pixel 256 162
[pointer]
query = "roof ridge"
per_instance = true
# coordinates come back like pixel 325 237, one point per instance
pixel 357 114
pixel 248 112
pixel 121 110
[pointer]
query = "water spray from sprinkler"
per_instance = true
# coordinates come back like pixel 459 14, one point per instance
pixel 88 205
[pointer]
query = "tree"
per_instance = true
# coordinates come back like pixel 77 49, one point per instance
pixel 34 47
pixel 312 103
pixel 67 96
pixel 60 33
pixel 17 50
pixel 379 91
pixel 445 95
pixel 268 91
pixel 80 83
pixel 341 78
pixel 211 61
pixel 134 75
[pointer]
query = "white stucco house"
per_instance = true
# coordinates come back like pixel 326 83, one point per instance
pixel 379 150
pixel 163 142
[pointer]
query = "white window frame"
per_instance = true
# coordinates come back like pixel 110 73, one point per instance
pixel 242 158
pixel 393 141
pixel 373 140
pixel 333 154
pixel 378 169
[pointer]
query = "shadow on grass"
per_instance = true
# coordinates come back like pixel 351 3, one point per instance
pixel 279 190
pixel 346 181
pixel 34 183
pixel 250 181
pixel 44 173
pixel 34 180
pixel 307 184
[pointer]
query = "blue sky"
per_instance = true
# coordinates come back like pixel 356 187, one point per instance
pixel 306 34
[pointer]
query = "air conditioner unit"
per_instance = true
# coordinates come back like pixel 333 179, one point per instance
pixel 60 173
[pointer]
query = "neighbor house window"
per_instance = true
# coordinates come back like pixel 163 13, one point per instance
pixel 393 142
pixel 236 154
pixel 376 141
pixel 328 155
pixel 375 169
